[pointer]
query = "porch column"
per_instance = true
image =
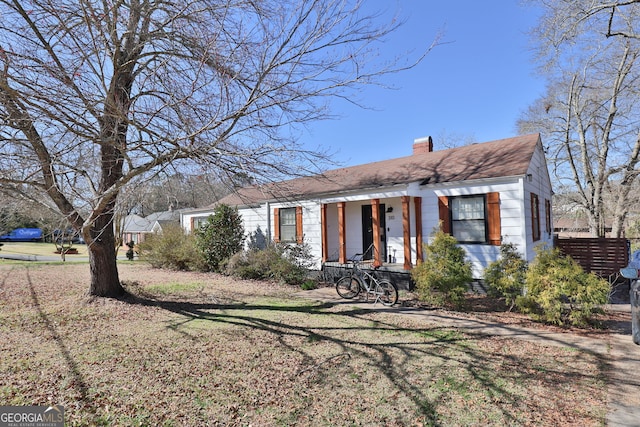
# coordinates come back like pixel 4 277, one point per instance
pixel 417 203
pixel 342 231
pixel 375 219
pixel 406 231
pixel 323 231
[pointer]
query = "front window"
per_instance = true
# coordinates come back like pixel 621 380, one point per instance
pixel 468 219
pixel 288 225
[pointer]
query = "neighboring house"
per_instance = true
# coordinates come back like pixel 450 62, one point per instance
pixel 170 216
pixel 484 194
pixel 136 227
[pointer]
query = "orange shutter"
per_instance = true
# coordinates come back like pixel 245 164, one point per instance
pixel 299 232
pixel 276 225
pixel 493 220
pixel 445 217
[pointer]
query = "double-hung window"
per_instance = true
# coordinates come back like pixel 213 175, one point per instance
pixel 472 219
pixel 468 218
pixel 288 225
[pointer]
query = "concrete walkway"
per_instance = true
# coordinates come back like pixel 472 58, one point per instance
pixel 618 351
pixel 42 258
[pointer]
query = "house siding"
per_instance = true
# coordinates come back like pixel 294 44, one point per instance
pixel 260 219
pixel 537 182
pixel 256 221
pixel 514 211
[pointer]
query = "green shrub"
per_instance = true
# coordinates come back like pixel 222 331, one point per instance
pixel 253 264
pixel 285 263
pixel 221 236
pixel 506 276
pixel 445 275
pixel 558 290
pixel 172 248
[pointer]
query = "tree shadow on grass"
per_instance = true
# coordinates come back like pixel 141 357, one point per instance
pixel 391 358
pixel 77 379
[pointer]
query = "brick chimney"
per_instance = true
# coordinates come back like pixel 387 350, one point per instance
pixel 422 145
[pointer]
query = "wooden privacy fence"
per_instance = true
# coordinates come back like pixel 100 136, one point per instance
pixel 602 256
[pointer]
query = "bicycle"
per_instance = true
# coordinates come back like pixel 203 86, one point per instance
pixel 360 280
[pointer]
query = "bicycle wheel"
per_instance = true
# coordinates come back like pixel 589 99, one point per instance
pixel 387 293
pixel 348 287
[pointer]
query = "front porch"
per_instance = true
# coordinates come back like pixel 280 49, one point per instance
pixel 395 273
pixel 386 231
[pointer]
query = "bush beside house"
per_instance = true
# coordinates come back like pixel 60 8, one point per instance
pixel 506 276
pixel 220 237
pixel 171 249
pixel 559 291
pixel 217 246
pixel 553 288
pixel 444 276
pixel 285 263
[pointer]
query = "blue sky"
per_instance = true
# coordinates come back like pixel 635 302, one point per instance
pixel 475 85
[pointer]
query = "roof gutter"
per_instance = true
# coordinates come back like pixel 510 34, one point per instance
pixel 494 180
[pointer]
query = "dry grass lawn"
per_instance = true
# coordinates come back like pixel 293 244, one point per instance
pixel 190 349
pixel 38 249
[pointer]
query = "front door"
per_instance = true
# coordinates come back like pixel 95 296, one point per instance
pixel 367 232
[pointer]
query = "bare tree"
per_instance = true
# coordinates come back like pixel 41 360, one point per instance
pixel 590 113
pixel 178 191
pixel 97 94
pixel 567 18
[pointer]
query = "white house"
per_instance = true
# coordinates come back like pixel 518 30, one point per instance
pixel 484 194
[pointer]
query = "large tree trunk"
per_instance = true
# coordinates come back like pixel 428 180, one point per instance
pixel 102 255
pixel 105 281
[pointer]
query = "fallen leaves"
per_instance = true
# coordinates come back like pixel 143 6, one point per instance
pixel 249 353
